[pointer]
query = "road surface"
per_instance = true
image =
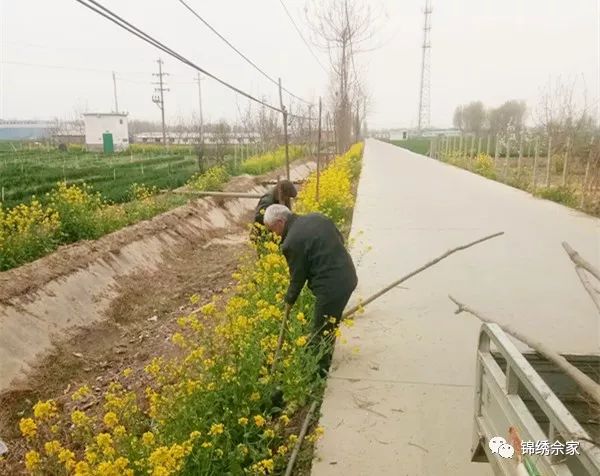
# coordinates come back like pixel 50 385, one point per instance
pixel 400 397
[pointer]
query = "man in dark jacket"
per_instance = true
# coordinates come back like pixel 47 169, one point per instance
pixel 281 193
pixel 314 250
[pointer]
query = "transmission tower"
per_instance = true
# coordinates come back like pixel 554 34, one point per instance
pixel 159 99
pixel 424 95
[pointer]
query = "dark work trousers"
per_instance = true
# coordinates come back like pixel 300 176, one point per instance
pixel 327 307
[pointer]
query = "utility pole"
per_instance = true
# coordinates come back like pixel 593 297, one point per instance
pixel 319 150
pixel 285 132
pixel 310 147
pixel 424 94
pixel 201 128
pixel 159 99
pixel 115 91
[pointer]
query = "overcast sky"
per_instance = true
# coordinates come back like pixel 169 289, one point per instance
pixel 489 50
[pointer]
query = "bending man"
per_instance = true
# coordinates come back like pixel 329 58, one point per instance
pixel 314 250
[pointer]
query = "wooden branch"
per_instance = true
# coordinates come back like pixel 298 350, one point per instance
pixel 294 455
pixel 585 383
pixel 588 286
pixel 217 194
pixel 581 266
pixel 280 340
pixel 417 271
pixel 579 261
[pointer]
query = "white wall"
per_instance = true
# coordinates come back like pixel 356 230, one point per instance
pixel 96 125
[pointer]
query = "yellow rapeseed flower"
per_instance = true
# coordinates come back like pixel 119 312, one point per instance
pixel 216 429
pixel 110 419
pixel 259 420
pixel 243 421
pixel 45 410
pixel 148 438
pixel 32 461
pixel 28 427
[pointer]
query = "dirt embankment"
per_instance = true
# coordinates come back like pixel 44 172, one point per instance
pixel 94 300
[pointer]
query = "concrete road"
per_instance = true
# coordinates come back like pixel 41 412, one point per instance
pixel 400 399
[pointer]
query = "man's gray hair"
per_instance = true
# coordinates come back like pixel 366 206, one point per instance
pixel 275 213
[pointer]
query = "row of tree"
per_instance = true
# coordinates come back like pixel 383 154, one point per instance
pixel 475 118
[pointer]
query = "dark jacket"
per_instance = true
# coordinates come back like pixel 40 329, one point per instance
pixel 315 252
pixel 265 202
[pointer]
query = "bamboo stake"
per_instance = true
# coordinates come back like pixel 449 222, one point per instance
pixel 585 383
pixel 586 175
pixel 566 164
pixel 487 148
pixel 282 329
pixel 549 161
pixel 417 271
pixel 296 450
pixel 535 161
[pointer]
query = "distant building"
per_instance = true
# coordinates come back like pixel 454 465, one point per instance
pixel 24 130
pixel 405 134
pixel 191 138
pixel 106 131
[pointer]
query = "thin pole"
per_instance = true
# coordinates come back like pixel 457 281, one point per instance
pixel 496 152
pixel 520 155
pixel 535 161
pixel 479 145
pixel 506 159
pixel 310 148
pixel 566 164
pixel 201 126
pixel 115 92
pixel 162 102
pixel 319 151
pixel 549 160
pixel 585 177
pixel 290 467
pixel 285 132
pixel 487 149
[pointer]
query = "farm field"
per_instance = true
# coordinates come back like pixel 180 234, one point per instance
pixel 24 174
pixel 201 340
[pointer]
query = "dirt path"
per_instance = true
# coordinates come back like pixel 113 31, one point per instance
pixel 138 326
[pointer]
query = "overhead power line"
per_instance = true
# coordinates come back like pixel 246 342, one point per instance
pixel 248 60
pixel 302 36
pixel 124 24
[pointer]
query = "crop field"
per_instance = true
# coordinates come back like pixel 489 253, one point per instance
pixel 207 408
pixel 24 174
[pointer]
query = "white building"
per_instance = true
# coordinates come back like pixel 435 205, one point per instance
pixel 106 131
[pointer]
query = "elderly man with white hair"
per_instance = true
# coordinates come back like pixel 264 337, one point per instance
pixel 315 253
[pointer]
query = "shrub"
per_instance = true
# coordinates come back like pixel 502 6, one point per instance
pixel 260 164
pixel 336 197
pixel 484 165
pixel 564 195
pixel 213 179
pixel 77 207
pixel 26 233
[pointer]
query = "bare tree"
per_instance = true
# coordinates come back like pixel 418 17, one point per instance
pixel 510 113
pixel 342 28
pixel 222 134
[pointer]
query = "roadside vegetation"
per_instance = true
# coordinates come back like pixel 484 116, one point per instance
pixel 210 409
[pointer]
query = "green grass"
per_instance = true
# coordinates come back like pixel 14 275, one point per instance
pixel 25 173
pixel 415 144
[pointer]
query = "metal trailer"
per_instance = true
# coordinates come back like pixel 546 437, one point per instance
pixel 527 392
